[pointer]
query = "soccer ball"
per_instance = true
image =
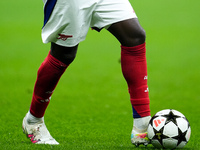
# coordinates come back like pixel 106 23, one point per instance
pixel 169 129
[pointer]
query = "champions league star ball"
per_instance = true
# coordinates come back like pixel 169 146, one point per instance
pixel 169 129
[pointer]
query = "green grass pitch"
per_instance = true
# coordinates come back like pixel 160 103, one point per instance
pixel 90 108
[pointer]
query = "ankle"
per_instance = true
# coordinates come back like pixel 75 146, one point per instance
pixel 32 119
pixel 141 123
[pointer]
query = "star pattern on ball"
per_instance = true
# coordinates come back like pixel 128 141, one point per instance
pixel 159 135
pixel 171 117
pixel 181 136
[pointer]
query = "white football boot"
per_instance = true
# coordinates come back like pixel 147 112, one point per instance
pixel 38 132
pixel 139 135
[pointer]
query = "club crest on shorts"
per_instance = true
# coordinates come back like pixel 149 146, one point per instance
pixel 64 37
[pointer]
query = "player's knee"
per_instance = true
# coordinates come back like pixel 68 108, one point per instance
pixel 135 38
pixel 64 54
pixel 141 37
pixel 68 58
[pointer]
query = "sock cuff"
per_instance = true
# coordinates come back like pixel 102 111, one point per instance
pixel 138 51
pixel 55 61
pixel 141 46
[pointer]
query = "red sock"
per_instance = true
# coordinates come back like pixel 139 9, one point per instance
pixel 48 76
pixel 134 68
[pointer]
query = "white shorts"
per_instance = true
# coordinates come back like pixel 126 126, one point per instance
pixel 66 22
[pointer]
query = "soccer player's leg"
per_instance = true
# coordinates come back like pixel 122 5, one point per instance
pixel 133 62
pixel 48 76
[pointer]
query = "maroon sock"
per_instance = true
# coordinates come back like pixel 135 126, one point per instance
pixel 48 76
pixel 134 68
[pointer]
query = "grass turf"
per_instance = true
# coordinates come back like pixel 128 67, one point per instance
pixel 90 108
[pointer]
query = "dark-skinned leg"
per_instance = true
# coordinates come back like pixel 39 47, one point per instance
pixel 133 62
pixel 48 76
